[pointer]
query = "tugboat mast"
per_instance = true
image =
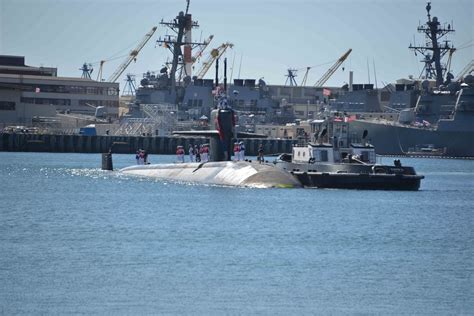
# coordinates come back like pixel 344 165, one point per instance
pixel 434 50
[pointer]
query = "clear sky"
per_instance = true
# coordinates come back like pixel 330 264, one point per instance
pixel 270 36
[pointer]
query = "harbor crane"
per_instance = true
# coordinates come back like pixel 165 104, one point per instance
pixel 291 75
pixel 333 69
pixel 86 71
pixel 198 54
pixel 213 55
pixel 130 87
pixel 303 82
pixel 201 49
pixel 131 57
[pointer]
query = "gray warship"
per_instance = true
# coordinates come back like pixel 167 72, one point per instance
pixel 180 88
pixel 443 115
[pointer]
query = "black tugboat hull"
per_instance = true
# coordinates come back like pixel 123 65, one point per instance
pixel 353 175
pixel 359 181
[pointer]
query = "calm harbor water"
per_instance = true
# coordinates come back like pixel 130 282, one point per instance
pixel 75 239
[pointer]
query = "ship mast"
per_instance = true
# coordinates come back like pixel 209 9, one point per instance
pixel 435 47
pixel 181 27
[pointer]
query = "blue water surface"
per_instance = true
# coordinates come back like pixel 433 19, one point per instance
pixel 76 239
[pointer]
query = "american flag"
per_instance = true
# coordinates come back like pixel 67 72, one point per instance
pixel 326 92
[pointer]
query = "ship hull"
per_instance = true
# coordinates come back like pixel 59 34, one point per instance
pixel 398 140
pixel 360 181
pixel 353 176
pixel 228 173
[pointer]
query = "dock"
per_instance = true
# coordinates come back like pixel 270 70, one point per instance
pixel 163 145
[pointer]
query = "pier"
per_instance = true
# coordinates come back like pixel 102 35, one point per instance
pixel 22 142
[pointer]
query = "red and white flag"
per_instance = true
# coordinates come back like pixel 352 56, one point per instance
pixel 326 92
pixel 350 118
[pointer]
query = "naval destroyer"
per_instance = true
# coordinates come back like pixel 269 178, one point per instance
pixel 443 117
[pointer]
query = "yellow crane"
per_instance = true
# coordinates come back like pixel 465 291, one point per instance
pixel 331 70
pixel 303 82
pixel 201 49
pixel 130 57
pixel 198 54
pixel 213 55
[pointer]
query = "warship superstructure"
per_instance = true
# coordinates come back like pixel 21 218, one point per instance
pixel 443 116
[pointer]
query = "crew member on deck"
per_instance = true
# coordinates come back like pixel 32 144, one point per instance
pixel 205 153
pixel 242 151
pixel 260 157
pixel 236 151
pixel 191 153
pixel 197 152
pixel 137 157
pixel 180 154
pixel 141 157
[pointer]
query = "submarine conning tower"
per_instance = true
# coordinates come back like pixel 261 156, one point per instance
pixel 221 145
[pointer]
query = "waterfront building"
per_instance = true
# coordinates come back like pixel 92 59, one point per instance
pixel 28 93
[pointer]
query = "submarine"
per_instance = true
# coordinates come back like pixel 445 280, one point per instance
pixel 220 170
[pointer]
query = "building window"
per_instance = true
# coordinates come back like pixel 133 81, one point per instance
pixel 27 100
pixel 45 101
pixel 112 91
pixel 7 106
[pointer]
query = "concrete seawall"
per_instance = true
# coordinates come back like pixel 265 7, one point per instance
pixel 123 144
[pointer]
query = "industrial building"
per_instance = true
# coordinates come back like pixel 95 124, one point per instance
pixel 28 93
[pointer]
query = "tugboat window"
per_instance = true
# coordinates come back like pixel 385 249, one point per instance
pixel 324 155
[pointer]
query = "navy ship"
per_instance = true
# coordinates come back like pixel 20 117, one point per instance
pixel 435 121
pixel 443 116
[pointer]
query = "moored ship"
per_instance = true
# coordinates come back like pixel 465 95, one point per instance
pixel 454 133
pixel 444 111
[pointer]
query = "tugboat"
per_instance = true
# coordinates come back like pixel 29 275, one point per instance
pixel 332 160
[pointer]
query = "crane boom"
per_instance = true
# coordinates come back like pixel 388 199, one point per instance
pixel 131 56
pixel 214 54
pixel 201 49
pixel 303 82
pixel 333 69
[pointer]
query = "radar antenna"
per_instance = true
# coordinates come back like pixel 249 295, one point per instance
pixel 182 26
pixel 435 48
